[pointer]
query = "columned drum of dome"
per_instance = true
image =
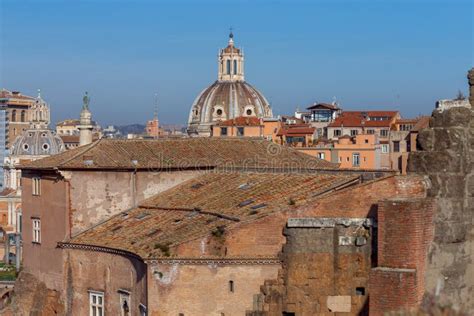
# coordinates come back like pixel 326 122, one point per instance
pixel 227 98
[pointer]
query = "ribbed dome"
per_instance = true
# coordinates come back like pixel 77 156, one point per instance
pixel 37 142
pixel 225 100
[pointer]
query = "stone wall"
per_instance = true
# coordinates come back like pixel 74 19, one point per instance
pixel 447 160
pixel 326 265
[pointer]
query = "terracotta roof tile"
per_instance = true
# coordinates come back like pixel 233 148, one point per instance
pixel 198 207
pixel 179 153
pixel 422 123
pixel 242 121
pixel 359 119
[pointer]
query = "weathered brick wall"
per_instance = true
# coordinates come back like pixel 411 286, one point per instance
pixel 204 289
pixel 405 230
pixel 447 160
pixel 107 273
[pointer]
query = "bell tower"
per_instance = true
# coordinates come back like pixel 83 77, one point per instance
pixel 231 62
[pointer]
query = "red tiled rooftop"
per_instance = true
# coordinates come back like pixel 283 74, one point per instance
pixel 199 206
pixel 362 118
pixel 242 121
pixel 7 94
pixel 179 153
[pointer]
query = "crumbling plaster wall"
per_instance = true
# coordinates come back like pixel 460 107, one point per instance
pixel 447 160
pixel 110 192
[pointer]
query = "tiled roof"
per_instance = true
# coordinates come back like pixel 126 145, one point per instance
pixel 6 94
pixel 323 105
pixel 201 206
pixel 242 121
pixel 180 153
pixel 362 118
pixel 422 123
pixel 296 130
pixel 7 192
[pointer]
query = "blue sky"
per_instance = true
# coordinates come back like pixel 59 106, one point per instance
pixel 390 54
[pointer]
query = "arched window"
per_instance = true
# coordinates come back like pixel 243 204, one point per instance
pixel 14 116
pixel 228 66
pixel 235 67
pixel 23 116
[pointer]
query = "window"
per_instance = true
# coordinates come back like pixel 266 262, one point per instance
pixel 219 112
pixel 36 186
pixel 228 67
pixel 355 160
pixel 240 131
pixel 337 133
pixel 340 159
pixel 396 146
pixel 142 309
pixel 354 132
pixel 223 131
pixel 321 155
pixel 23 116
pixel 96 303
pixel 249 112
pixel 235 67
pixel 360 290
pixel 384 132
pixel 14 116
pixel 124 303
pixel 36 230
pixel 231 286
pixel 370 131
pixel 366 141
pixel 385 148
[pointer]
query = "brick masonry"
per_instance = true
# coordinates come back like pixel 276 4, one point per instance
pixel 405 230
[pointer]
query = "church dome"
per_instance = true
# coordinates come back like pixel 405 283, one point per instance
pixel 228 97
pixel 37 142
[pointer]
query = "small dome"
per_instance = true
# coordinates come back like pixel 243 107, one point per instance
pixel 37 142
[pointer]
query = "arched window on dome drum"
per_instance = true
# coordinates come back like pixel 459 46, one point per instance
pixel 235 67
pixel 228 66
pixel 14 116
pixel 23 116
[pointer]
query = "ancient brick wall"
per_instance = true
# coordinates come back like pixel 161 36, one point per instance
pixel 110 274
pixel 447 160
pixel 405 230
pixel 205 289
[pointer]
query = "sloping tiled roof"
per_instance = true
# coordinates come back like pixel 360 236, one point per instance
pixel 201 206
pixel 179 153
pixel 6 94
pixel 323 105
pixel 360 118
pixel 242 121
pixel 422 123
pixel 296 130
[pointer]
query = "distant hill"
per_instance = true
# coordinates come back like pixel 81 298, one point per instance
pixel 131 129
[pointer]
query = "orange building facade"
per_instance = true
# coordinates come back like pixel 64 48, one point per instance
pixel 359 152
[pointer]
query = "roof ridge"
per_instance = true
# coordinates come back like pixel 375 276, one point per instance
pixel 81 153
